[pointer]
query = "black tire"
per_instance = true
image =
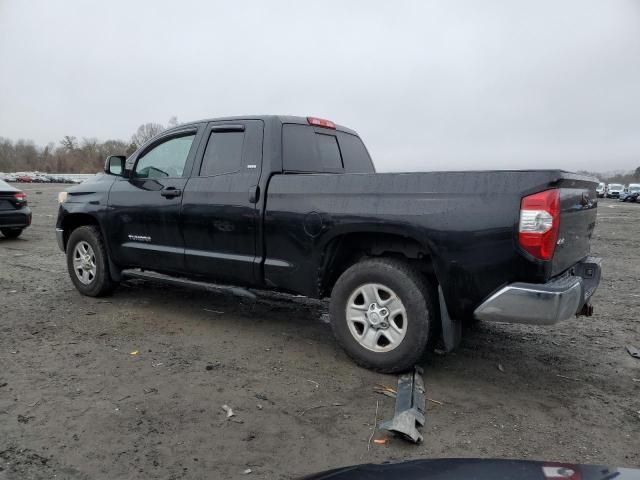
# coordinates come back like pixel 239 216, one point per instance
pixel 11 232
pixel 101 284
pixel 416 294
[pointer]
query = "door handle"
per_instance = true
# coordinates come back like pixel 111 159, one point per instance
pixel 171 192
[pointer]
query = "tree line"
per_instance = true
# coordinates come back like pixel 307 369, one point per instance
pixel 70 154
pixel 87 155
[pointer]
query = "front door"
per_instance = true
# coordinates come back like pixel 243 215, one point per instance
pixel 144 209
pixel 219 215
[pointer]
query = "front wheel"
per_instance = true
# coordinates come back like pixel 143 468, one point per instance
pixel 11 232
pixel 87 262
pixel 383 314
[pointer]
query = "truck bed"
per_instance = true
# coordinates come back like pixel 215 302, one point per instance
pixel 466 222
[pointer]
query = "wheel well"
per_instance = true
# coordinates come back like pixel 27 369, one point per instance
pixel 75 220
pixel 344 251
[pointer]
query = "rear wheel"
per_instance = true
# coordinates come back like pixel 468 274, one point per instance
pixel 383 314
pixel 11 232
pixel 88 263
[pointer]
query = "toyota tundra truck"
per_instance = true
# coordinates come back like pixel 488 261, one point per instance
pixel 294 204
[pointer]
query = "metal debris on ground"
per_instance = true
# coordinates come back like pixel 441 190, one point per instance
pixel 500 367
pixel 228 410
pixel 135 352
pixel 247 471
pixel 633 351
pixel 410 407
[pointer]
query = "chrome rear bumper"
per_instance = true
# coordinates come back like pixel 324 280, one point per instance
pixel 547 303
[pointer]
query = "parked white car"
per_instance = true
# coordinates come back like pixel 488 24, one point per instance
pixel 614 190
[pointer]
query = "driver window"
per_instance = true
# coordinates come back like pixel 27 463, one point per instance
pixel 165 160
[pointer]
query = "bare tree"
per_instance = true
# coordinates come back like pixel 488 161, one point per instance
pixel 69 143
pixel 146 132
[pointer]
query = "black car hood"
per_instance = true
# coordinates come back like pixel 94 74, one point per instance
pixel 477 469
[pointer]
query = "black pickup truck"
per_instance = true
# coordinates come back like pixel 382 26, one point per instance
pixel 294 204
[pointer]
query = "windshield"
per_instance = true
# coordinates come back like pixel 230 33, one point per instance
pixel 634 188
pixel 615 186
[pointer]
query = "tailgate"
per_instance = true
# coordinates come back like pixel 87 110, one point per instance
pixel 578 209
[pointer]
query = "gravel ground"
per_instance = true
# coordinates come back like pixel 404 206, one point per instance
pixel 76 403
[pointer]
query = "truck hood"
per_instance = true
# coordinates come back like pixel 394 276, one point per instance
pixel 96 184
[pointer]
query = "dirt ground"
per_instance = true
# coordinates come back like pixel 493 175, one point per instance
pixel 75 403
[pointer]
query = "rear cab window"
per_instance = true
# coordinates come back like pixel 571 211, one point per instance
pixel 308 149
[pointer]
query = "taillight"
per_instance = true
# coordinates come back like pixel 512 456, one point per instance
pixel 539 223
pixel 20 197
pixel 321 122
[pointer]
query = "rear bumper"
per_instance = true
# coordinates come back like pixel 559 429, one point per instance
pixel 15 218
pixel 547 303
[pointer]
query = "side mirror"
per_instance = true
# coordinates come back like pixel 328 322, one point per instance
pixel 114 165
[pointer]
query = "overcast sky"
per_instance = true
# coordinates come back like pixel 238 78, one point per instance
pixel 428 84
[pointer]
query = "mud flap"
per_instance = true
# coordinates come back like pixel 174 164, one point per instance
pixel 451 329
pixel 410 407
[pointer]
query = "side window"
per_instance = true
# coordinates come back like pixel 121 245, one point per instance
pixel 223 153
pixel 165 160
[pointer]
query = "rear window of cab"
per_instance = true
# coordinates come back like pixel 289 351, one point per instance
pixel 308 149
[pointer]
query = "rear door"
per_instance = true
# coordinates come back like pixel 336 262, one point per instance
pixel 219 216
pixel 144 210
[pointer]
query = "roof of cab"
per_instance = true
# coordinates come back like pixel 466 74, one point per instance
pixel 266 118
